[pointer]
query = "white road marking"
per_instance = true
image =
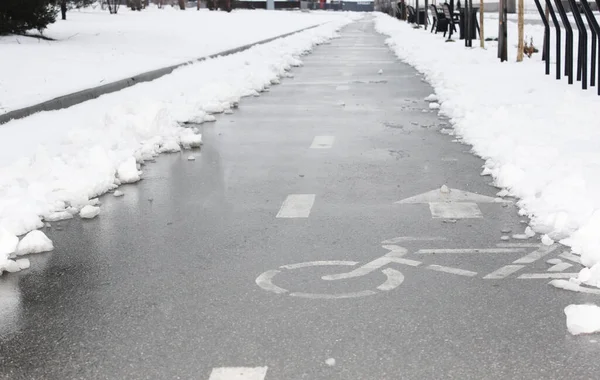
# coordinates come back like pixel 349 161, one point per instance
pixel 470 250
pixel 560 267
pixel 401 239
pixel 296 206
pixel 461 272
pixel 533 276
pixel 395 255
pixel 412 263
pixel 322 142
pixel 453 195
pixel 571 257
pixel 568 285
pixel 536 255
pixel 394 279
pixel 322 296
pixel 265 282
pixel 503 272
pixel 317 264
pixel 363 270
pixel 238 373
pixel 518 245
pixel 450 210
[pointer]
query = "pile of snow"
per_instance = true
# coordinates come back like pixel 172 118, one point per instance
pixel 583 319
pixel 93 47
pixel 34 242
pixel 53 165
pixel 539 136
pixel 89 212
pixel 10 247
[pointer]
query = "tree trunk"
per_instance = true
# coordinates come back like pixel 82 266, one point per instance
pixel 182 5
pixel 63 9
pixel 520 26
pixel 481 34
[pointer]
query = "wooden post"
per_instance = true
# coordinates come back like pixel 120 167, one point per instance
pixel 481 35
pixel 521 22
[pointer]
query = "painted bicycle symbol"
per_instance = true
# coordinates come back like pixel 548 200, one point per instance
pixel 393 278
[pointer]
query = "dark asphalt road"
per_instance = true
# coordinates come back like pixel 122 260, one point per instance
pixel 165 289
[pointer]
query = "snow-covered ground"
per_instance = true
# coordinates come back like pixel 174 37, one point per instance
pixel 539 136
pixel 53 165
pixel 93 47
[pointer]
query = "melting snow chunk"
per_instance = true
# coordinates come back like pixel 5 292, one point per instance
pixel 191 158
pixel 170 146
pixel 431 98
pixel 546 240
pixel 34 242
pixel 380 71
pixel 583 319
pixel 191 140
pixel 89 212
pixel 444 189
pixel 529 232
pixel 330 362
pixel 118 193
pixel 434 106
pixel 57 216
pixel 128 172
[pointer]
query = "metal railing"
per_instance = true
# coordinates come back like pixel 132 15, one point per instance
pixel 583 30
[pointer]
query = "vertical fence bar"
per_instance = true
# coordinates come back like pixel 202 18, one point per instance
pixel 546 35
pixel 558 37
pixel 595 28
pixel 582 48
pixel 569 40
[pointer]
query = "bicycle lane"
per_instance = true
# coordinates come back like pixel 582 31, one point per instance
pixel 162 284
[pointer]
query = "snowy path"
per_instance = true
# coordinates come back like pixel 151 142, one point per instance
pixel 162 284
pixel 93 47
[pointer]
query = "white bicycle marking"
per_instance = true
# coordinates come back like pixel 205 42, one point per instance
pixel 470 250
pixel 536 255
pixel 317 264
pixel 461 272
pixel 401 239
pixel 503 272
pixel 395 278
pixel 529 276
pixel 560 267
pixel 571 257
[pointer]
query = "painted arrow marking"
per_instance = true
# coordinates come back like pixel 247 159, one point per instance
pixel 446 203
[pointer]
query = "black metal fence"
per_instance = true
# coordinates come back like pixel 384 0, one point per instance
pixel 582 65
pixel 587 25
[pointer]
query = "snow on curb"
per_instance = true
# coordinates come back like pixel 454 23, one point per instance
pixel 539 136
pixel 53 164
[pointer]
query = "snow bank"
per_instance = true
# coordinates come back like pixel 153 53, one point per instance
pixel 583 319
pixel 539 136
pixel 54 164
pixel 93 47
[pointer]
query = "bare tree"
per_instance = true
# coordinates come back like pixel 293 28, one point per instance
pixel 182 5
pixel 481 34
pixel 520 25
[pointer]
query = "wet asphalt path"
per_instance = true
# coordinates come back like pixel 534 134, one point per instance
pixel 162 284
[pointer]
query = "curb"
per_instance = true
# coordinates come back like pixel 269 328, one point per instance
pixel 75 98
